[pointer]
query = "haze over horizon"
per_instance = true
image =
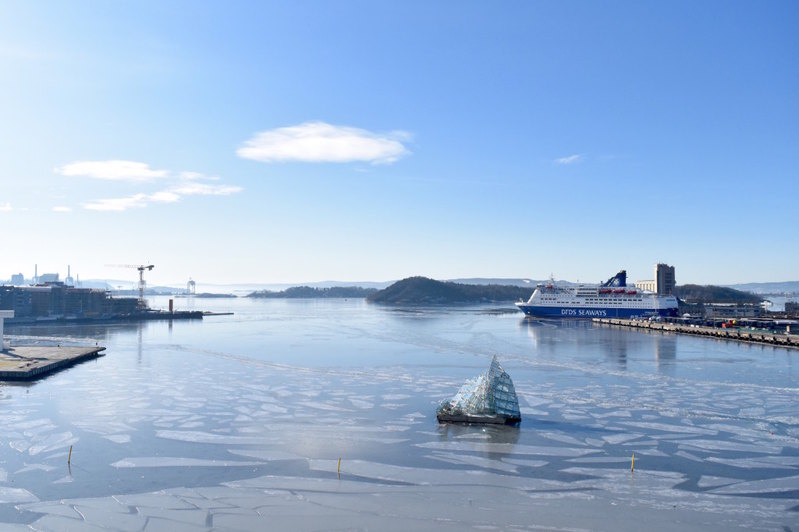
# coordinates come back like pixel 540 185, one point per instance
pixel 289 143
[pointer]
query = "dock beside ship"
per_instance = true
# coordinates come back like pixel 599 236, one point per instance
pixel 734 334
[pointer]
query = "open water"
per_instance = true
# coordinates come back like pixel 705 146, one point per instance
pixel 320 414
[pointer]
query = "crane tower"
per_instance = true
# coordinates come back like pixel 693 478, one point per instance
pixel 142 283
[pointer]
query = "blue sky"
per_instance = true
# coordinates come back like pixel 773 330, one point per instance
pixel 305 141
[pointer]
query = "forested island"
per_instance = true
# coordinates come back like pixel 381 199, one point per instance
pixel 423 291
pixel 308 292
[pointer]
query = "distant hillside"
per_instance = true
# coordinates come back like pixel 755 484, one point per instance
pixel 422 291
pixel 785 287
pixel 694 293
pixel 307 292
pixel 496 281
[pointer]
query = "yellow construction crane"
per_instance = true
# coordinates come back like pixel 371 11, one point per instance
pixel 142 283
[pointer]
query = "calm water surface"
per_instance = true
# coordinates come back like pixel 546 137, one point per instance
pixel 282 389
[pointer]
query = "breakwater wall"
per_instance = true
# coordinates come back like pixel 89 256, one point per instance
pixel 735 334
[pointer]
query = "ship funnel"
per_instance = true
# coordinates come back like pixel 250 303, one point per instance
pixel 620 279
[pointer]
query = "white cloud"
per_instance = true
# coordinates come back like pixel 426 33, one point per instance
pixel 571 159
pixel 190 176
pixel 114 170
pixel 6 208
pixel 202 189
pixel 319 142
pixel 117 204
pixel 61 208
pixel 184 184
pixel 165 196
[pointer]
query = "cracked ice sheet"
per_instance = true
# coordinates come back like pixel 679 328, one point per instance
pixel 118 438
pixel 51 443
pixel 461 499
pixel 166 461
pixel 721 445
pixel 268 456
pixel 657 490
pixel 291 503
pixel 418 476
pixel 768 462
pixel 33 467
pixel 706 481
pixel 476 461
pixel 338 432
pixel 616 439
pixel 761 487
pixel 669 427
pixel 506 448
pixel 16 495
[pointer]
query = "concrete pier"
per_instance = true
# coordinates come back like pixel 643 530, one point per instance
pixel 735 334
pixel 22 363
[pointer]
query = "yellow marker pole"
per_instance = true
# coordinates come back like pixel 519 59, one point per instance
pixel 339 465
pixel 69 458
pixel 632 464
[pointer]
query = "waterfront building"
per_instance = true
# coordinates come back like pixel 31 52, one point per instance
pixel 18 279
pixel 56 300
pixel 664 282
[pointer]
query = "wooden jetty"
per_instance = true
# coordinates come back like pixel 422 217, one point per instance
pixel 735 334
pixel 23 363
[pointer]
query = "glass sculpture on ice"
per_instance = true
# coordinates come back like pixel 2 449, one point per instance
pixel 489 398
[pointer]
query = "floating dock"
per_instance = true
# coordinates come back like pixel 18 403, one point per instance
pixel 24 363
pixel 735 334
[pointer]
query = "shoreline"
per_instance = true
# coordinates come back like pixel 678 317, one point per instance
pixel 737 334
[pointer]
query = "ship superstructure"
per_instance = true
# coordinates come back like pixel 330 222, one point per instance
pixel 611 299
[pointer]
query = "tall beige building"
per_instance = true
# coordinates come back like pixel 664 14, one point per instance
pixel 663 283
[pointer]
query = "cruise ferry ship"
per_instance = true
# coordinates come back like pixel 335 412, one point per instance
pixel 611 299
